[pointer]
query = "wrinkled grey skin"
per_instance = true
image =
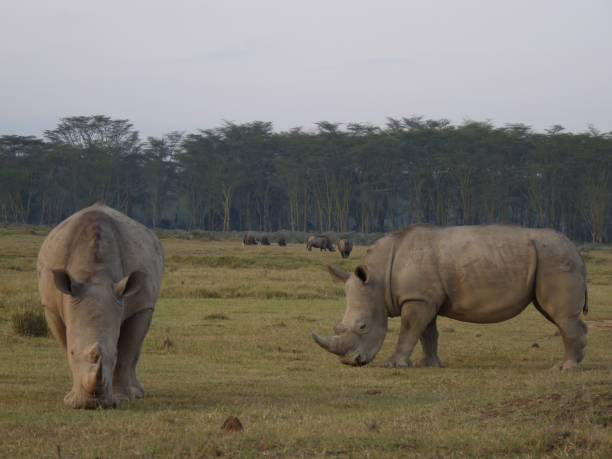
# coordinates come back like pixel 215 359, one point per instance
pixel 99 276
pixel 345 247
pixel 479 274
pixel 321 242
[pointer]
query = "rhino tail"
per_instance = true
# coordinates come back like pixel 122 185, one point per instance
pixel 585 308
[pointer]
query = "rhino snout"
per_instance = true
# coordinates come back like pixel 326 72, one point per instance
pixel 93 379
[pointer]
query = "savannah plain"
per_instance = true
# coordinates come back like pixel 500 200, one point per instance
pixel 231 337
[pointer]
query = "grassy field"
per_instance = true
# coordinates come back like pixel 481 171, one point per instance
pixel 231 336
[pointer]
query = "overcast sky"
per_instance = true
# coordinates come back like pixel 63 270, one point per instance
pixel 188 64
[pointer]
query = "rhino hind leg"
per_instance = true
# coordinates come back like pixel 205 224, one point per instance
pixel 133 332
pixel 429 343
pixel 574 334
pixel 562 306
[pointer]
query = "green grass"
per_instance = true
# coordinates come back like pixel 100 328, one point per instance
pixel 231 337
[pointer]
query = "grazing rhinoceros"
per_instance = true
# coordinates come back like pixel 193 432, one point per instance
pixel 249 239
pixel 345 247
pixel 99 275
pixel 480 274
pixel 321 242
pixel 282 241
pixel 264 240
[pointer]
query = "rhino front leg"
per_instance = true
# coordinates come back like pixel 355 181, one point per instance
pixel 416 316
pixel 133 331
pixel 429 343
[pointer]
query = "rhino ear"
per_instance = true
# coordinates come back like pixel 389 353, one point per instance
pixel 338 274
pixel 362 273
pixel 65 283
pixel 130 284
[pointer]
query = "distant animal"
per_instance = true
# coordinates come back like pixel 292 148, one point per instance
pixel 321 242
pixel 345 247
pixel 282 241
pixel 479 274
pixel 264 240
pixel 249 239
pixel 99 276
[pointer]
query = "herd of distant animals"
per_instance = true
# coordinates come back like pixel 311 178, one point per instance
pixel 99 278
pixel 319 241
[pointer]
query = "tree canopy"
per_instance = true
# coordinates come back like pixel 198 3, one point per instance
pixel 352 177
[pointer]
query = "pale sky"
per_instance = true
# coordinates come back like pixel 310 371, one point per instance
pixel 188 64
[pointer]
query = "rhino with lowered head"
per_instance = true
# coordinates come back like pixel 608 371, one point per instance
pixel 345 247
pixel 99 276
pixel 321 242
pixel 479 274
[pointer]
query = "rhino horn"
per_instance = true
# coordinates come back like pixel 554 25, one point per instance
pixel 337 344
pixel 93 378
pixel 338 274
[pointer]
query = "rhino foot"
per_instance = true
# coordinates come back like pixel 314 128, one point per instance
pixel 138 391
pixel 80 400
pixel 568 365
pixel 127 394
pixel 430 362
pixel 398 362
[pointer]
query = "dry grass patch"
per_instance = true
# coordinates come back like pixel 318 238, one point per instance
pixel 29 322
pixel 497 396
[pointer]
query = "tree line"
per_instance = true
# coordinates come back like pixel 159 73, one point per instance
pixel 337 177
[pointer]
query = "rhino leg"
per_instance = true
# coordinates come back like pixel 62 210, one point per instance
pixel 416 316
pixel 574 334
pixel 561 302
pixel 133 332
pixel 429 343
pixel 56 326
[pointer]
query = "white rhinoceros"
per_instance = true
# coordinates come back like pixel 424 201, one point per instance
pixel 480 274
pixel 99 276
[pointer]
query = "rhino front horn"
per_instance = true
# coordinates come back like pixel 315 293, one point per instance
pixel 339 345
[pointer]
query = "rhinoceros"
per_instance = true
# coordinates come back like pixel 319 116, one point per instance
pixel 99 276
pixel 479 274
pixel 345 247
pixel 249 239
pixel 321 242
pixel 282 241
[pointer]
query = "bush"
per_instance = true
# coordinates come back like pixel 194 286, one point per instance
pixel 30 322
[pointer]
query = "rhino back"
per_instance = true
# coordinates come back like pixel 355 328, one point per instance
pixel 472 273
pixel 95 237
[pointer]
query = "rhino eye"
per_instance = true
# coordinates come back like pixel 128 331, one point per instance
pixel 362 326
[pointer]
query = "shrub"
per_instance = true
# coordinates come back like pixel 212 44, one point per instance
pixel 30 322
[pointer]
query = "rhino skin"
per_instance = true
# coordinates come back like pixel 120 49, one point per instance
pixel 345 247
pixel 99 276
pixel 249 239
pixel 479 274
pixel 321 242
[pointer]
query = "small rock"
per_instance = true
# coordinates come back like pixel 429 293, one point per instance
pixel 372 426
pixel 232 424
pixel 535 345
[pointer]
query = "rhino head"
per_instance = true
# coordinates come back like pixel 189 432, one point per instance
pixel 93 313
pixel 362 331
